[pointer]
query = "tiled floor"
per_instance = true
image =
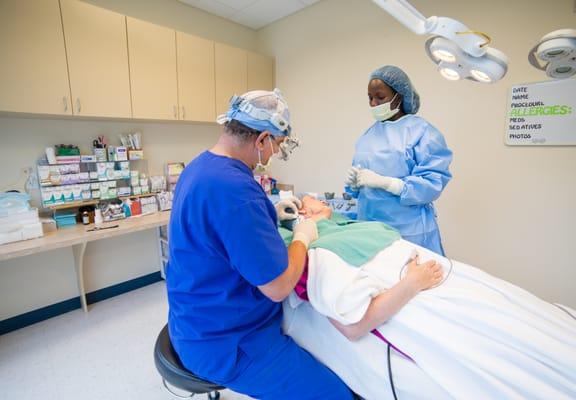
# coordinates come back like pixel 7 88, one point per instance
pixel 104 354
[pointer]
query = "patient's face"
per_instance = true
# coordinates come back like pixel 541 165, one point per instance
pixel 315 209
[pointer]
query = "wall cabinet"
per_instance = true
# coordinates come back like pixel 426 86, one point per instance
pixel 196 84
pixel 260 72
pixel 67 57
pixel 33 76
pixel 97 54
pixel 152 55
pixel 231 74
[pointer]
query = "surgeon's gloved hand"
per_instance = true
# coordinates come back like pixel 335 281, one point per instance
pixel 369 178
pixel 287 209
pixel 305 232
pixel 352 177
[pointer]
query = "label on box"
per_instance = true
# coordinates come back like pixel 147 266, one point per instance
pixel 135 154
pixel 121 153
pixel 88 158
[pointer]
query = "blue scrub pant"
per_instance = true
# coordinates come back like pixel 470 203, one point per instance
pixel 430 240
pixel 289 372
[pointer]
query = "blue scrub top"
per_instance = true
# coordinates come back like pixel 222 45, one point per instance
pixel 223 243
pixel 414 151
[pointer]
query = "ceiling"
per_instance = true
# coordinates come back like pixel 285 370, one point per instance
pixel 254 14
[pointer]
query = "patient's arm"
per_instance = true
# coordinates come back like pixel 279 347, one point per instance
pixel 385 305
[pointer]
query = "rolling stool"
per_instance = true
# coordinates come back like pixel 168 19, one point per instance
pixel 173 372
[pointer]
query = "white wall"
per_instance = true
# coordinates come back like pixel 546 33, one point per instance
pixel 508 210
pixel 32 282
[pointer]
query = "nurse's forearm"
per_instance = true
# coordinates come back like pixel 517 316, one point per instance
pixel 380 310
pixel 280 288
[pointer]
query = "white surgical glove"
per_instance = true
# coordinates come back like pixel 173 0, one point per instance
pixel 305 232
pixel 352 177
pixel 287 209
pixel 369 178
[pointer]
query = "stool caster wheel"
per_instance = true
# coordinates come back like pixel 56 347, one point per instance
pixel 214 396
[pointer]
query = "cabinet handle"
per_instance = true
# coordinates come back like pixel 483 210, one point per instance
pixel 65 102
pixel 175 112
pixel 183 112
pixel 78 105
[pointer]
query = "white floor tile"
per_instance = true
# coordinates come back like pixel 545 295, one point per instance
pixel 104 354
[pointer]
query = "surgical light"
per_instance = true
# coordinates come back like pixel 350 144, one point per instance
pixel 450 74
pixel 458 52
pixel 480 76
pixel 444 55
pixel 555 53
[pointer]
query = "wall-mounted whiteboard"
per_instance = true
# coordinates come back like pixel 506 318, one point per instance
pixel 542 114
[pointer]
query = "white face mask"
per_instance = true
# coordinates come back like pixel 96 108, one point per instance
pixel 384 111
pixel 261 168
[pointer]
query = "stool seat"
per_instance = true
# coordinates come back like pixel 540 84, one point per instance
pixel 172 371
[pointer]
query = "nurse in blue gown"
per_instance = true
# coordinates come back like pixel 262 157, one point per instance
pixel 401 162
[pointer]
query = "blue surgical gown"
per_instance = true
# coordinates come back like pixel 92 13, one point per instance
pixel 414 151
pixel 224 242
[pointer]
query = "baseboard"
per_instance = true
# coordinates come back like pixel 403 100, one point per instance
pixel 41 314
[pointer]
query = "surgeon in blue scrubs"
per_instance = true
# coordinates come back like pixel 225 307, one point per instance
pixel 229 269
pixel 401 162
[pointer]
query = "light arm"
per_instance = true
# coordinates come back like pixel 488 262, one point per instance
pixel 405 13
pixel 471 42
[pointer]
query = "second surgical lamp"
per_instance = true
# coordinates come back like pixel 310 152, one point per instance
pixel 556 54
pixel 458 52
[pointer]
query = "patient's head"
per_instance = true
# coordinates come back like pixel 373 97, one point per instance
pixel 315 209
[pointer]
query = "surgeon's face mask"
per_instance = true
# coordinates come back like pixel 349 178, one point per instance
pixel 384 112
pixel 260 167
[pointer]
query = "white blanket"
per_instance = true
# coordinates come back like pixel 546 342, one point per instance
pixel 475 335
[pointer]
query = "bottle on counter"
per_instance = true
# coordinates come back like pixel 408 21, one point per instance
pixel 98 220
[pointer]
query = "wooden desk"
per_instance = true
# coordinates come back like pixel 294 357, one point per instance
pixel 78 237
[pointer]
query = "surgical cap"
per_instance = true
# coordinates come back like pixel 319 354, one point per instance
pixel 399 81
pixel 260 110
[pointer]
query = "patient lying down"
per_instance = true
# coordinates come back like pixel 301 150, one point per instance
pixel 475 335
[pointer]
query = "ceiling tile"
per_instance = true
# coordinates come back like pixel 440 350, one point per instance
pixel 264 12
pixel 254 14
pixel 212 6
pixel 238 4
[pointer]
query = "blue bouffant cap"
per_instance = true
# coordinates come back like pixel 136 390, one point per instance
pixel 399 81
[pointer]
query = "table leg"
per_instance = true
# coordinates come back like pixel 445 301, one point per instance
pixel 78 250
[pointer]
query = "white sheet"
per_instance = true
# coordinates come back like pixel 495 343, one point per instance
pixel 476 336
pixel 362 365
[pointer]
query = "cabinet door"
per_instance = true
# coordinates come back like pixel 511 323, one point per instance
pixel 196 86
pixel 33 75
pixel 231 74
pixel 97 55
pixel 152 55
pixel 260 72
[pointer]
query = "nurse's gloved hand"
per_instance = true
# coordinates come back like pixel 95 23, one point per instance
pixel 369 178
pixel 287 209
pixel 305 232
pixel 352 177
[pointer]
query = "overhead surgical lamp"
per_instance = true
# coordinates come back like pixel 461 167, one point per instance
pixel 458 52
pixel 557 53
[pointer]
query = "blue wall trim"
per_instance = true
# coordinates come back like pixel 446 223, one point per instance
pixel 41 314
